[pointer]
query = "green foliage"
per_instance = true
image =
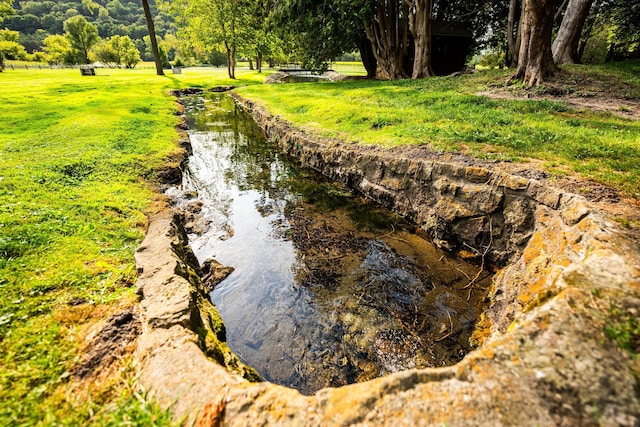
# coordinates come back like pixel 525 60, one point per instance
pixel 117 50
pixel 612 32
pixel 124 18
pixel 58 50
pixel 211 25
pixel 493 59
pixel 9 36
pixel 9 46
pixel 624 328
pixel 77 158
pixel 82 35
pixel 321 32
pixel 235 28
pixel 5 8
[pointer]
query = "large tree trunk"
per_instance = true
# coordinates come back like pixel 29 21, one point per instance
pixel 367 56
pixel 152 36
pixel 420 26
pixel 565 47
pixel 388 33
pixel 259 62
pixel 513 33
pixel 535 61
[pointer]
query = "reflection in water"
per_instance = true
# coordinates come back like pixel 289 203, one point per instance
pixel 327 290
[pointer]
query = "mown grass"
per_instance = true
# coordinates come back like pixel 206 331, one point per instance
pixel 77 158
pixel 447 114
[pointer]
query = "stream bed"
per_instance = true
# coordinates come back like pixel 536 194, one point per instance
pixel 327 289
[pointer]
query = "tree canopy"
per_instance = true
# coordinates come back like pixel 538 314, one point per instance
pixel 37 19
pixel 83 36
pixel 395 38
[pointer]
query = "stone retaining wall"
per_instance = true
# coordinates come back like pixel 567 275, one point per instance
pixel 544 360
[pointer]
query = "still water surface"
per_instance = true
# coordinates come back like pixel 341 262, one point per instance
pixel 328 289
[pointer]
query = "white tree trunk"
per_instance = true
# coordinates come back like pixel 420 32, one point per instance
pixel 565 47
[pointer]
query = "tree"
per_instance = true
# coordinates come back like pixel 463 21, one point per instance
pixel 58 49
pixel 5 8
pixel 10 48
pixel 565 46
pixel 623 17
pixel 82 35
pixel 513 32
pixel 420 27
pixel 91 6
pixel 152 35
pixel 320 32
pixel 535 60
pixel 211 24
pixel 118 50
pixel 387 28
pixel 33 42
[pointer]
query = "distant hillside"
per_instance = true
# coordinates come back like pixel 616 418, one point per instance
pixel 36 19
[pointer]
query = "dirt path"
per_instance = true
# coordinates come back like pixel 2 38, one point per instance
pixel 580 91
pixel 616 105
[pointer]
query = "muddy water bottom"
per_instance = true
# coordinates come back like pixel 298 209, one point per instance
pixel 327 289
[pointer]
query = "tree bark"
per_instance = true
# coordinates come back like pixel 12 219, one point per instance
pixel 535 60
pixel 231 59
pixel 152 36
pixel 565 47
pixel 368 58
pixel 513 33
pixel 388 33
pixel 420 27
pixel 259 62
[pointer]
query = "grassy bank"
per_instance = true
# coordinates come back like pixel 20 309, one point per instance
pixel 77 156
pixel 447 114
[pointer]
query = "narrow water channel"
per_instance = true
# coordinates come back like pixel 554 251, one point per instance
pixel 327 289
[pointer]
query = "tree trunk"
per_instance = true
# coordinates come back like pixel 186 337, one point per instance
pixel 535 61
pixel 152 36
pixel 250 64
pixel 388 33
pixel 565 47
pixel 259 62
pixel 513 33
pixel 231 59
pixel 420 27
pixel 367 56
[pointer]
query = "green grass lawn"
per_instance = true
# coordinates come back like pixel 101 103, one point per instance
pixel 446 114
pixel 77 156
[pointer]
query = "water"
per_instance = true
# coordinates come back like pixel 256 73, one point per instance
pixel 327 289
